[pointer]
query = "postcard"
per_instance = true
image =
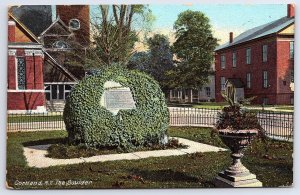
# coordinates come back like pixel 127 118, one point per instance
pixel 150 96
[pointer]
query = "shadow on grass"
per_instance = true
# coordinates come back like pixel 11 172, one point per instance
pixel 166 175
pixel 46 141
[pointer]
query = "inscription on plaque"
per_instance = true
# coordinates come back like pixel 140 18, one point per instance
pixel 119 99
pixel 116 97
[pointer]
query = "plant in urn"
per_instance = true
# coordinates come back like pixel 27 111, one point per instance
pixel 236 128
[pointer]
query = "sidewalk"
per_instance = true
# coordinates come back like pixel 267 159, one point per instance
pixel 268 109
pixel 36 155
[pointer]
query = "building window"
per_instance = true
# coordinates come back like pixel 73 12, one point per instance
pixel 292 76
pixel 292 50
pixel 265 53
pixel 248 56
pixel 223 61
pixel 48 92
pixel 67 91
pixel 222 83
pixel 248 80
pixel 265 79
pixel 21 63
pixel 234 59
pixel 207 90
pixel 74 24
pixel 60 45
pixel 57 91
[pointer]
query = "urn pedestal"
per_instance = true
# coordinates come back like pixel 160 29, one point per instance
pixel 237 175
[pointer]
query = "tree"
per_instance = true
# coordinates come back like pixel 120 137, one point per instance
pixel 157 61
pixel 115 33
pixel 194 47
pixel 140 61
pixel 161 59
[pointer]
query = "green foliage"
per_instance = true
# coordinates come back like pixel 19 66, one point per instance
pixel 233 117
pixel 89 123
pixel 116 30
pixel 194 47
pixel 157 61
pixel 273 167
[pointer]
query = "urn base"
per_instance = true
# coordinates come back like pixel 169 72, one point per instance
pixel 228 181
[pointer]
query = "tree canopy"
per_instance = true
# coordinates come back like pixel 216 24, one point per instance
pixel 157 61
pixel 194 47
pixel 116 29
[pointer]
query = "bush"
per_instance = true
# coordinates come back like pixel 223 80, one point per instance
pixel 89 123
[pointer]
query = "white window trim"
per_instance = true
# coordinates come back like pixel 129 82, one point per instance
pixel 39 46
pixel 293 56
pixel 12 52
pixel 78 23
pixel 223 88
pixel 30 52
pixel 265 58
pixel 223 57
pixel 248 49
pixel 234 59
pixel 248 80
pixel 16 73
pixel 26 90
pixel 265 79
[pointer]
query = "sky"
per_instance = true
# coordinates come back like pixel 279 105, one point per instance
pixel 224 18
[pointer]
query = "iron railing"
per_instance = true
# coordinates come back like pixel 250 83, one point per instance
pixel 278 125
pixel 35 121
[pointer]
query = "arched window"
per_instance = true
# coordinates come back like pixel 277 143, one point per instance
pixel 74 24
pixel 60 45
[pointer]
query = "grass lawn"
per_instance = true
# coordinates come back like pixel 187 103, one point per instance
pixel 271 161
pixel 33 118
pixel 285 108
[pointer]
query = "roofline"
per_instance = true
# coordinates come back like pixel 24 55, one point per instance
pixel 258 38
pixel 252 40
pixel 286 27
pixel 54 22
pixel 24 27
pixel 60 66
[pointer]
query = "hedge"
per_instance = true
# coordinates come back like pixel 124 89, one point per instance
pixel 91 124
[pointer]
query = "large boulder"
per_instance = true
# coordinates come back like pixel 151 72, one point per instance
pixel 91 121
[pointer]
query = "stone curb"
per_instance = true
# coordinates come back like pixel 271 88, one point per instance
pixel 36 155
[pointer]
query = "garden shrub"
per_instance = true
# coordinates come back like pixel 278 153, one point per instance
pixel 89 123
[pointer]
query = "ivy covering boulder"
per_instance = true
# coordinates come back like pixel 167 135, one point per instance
pixel 91 124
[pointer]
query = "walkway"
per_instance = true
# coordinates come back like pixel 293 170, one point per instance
pixel 36 155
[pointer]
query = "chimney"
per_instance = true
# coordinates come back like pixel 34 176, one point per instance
pixel 290 10
pixel 230 37
pixel 11 31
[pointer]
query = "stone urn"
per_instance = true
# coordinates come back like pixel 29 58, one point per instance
pixel 237 175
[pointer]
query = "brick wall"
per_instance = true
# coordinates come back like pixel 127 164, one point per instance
pixel 80 12
pixel 25 100
pixel 256 69
pixel 11 73
pixel 284 66
pixel 34 72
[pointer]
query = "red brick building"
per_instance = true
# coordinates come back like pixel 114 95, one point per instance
pixel 259 62
pixel 41 70
pixel 25 84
